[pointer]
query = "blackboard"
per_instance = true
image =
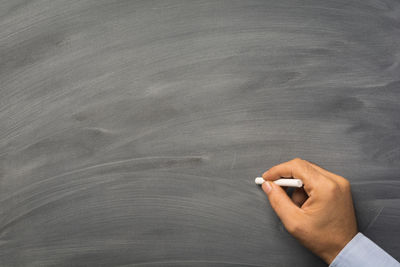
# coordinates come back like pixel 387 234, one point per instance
pixel 131 131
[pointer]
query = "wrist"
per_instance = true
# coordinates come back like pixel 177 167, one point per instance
pixel 330 254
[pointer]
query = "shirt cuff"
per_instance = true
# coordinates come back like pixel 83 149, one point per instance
pixel 361 251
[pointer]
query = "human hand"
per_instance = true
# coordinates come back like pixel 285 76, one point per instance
pixel 321 214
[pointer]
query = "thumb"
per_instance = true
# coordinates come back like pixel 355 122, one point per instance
pixel 284 207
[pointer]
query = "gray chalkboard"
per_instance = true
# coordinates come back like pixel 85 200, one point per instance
pixel 131 131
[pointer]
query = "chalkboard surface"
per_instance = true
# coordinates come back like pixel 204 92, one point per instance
pixel 131 131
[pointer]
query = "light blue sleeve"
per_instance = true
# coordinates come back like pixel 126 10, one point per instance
pixel 361 251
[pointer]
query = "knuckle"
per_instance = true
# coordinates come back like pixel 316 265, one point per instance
pixel 297 160
pixel 346 184
pixel 331 187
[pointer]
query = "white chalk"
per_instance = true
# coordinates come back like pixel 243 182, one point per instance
pixel 259 180
pixel 282 182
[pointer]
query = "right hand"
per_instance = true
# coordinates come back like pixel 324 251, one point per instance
pixel 320 215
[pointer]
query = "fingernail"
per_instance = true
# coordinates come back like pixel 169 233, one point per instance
pixel 267 187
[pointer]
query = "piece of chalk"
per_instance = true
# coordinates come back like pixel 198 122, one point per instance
pixel 282 182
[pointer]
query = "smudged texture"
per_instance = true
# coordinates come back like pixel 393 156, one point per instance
pixel 131 131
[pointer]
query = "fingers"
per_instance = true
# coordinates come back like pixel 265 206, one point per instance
pixel 286 210
pixel 296 168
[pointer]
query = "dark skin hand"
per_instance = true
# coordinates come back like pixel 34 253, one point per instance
pixel 321 214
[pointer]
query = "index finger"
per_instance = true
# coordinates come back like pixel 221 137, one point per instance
pixel 296 168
